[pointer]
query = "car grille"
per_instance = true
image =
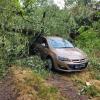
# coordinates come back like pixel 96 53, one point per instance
pixel 79 61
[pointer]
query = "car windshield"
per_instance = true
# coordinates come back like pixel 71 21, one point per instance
pixel 60 43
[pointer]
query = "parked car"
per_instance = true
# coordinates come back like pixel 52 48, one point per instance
pixel 60 54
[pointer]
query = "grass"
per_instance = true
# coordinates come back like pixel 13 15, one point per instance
pixel 91 91
pixel 32 87
pixel 36 65
pixel 86 83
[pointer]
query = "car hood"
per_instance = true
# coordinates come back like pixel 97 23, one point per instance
pixel 70 53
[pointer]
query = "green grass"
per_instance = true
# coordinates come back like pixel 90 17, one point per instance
pixel 29 83
pixel 91 91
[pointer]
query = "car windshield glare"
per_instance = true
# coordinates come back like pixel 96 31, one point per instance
pixel 60 43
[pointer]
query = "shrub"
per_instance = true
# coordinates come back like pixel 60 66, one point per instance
pixel 36 64
pixel 12 46
pixel 90 90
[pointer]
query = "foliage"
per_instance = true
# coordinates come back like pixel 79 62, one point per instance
pixel 38 15
pixel 89 40
pixel 12 46
pixel 90 90
pixel 32 86
pixel 35 63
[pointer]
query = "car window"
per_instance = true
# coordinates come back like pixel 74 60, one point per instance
pixel 60 43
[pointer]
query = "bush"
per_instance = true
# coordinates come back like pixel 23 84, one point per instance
pixel 12 46
pixel 36 64
pixel 90 43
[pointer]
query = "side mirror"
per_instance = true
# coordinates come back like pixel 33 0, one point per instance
pixel 43 44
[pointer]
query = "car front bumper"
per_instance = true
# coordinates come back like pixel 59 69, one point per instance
pixel 71 67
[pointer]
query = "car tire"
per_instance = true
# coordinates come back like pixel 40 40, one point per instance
pixel 50 64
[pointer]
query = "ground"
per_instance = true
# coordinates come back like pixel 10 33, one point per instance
pixel 66 87
pixel 23 84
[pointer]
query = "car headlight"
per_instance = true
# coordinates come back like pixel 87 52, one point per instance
pixel 63 59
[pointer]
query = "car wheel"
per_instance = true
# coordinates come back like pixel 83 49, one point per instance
pixel 50 64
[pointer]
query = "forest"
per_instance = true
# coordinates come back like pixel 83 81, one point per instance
pixel 23 76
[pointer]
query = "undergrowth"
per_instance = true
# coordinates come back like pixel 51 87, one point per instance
pixel 88 82
pixel 32 86
pixel 36 65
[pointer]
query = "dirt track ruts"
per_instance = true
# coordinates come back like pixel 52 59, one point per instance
pixel 66 87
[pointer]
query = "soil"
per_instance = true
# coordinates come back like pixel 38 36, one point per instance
pixel 66 87
pixel 8 90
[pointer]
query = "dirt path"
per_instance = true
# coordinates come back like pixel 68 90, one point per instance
pixel 66 87
pixel 8 89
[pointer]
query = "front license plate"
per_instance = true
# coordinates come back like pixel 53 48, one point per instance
pixel 82 65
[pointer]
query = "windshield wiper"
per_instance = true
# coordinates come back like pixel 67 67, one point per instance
pixel 66 47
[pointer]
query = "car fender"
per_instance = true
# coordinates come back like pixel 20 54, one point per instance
pixel 53 57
